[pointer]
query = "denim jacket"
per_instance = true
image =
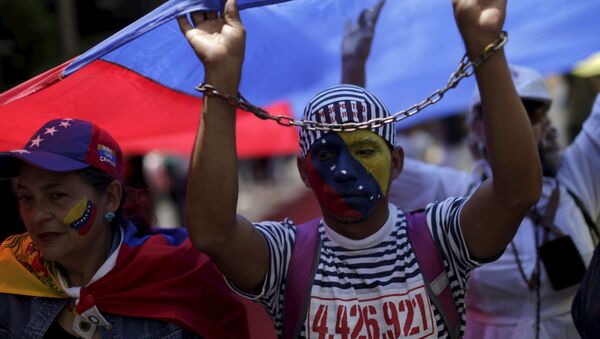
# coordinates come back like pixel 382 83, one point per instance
pixel 24 317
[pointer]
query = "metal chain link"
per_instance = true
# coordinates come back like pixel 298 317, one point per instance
pixel 465 69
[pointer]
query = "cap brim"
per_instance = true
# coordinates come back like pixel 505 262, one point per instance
pixel 9 162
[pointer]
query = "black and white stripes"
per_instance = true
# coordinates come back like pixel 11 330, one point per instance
pixel 340 104
pixel 380 267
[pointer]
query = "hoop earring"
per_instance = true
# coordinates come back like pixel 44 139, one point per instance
pixel 109 217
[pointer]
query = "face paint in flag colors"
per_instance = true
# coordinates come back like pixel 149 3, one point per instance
pixel 349 173
pixel 82 216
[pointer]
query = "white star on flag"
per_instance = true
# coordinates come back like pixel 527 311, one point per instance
pixel 51 131
pixel 20 151
pixel 36 142
pixel 64 124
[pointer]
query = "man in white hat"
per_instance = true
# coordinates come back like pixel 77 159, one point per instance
pixel 505 299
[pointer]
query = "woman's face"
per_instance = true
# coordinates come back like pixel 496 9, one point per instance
pixel 62 212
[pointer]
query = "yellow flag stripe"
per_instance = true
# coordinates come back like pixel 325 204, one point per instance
pixel 77 211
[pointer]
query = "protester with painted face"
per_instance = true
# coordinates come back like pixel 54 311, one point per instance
pixel 354 272
pixel 83 269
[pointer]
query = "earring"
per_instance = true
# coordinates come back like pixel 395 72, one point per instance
pixel 109 216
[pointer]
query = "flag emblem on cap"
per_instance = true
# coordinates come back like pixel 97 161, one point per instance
pixel 107 155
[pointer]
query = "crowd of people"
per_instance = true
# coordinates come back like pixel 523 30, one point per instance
pixel 401 248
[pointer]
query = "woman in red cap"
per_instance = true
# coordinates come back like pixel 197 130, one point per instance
pixel 84 269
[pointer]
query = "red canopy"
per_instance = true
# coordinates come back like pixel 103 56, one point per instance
pixel 140 113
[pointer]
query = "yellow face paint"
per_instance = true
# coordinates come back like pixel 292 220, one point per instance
pixel 81 216
pixel 372 152
pixel 76 212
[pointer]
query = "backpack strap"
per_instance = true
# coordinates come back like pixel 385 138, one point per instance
pixel 595 234
pixel 432 267
pixel 301 272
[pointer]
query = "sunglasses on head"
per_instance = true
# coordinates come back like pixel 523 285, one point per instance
pixel 536 110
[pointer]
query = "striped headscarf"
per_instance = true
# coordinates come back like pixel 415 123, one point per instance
pixel 340 104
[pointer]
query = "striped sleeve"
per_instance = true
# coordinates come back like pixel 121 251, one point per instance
pixel 280 237
pixel 443 219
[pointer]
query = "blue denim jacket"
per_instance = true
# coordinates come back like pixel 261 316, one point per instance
pixel 30 317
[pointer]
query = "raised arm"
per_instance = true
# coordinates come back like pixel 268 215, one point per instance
pixel 356 45
pixel 230 240
pixel 490 218
pixel 581 163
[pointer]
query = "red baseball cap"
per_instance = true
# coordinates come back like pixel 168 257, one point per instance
pixel 64 145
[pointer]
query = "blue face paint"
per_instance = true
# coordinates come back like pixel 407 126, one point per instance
pixel 342 184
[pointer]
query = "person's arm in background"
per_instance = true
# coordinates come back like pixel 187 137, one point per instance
pixel 231 241
pixel 420 183
pixel 356 45
pixel 580 163
pixel 492 215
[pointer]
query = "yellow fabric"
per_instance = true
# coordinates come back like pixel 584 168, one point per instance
pixel 589 67
pixel 24 272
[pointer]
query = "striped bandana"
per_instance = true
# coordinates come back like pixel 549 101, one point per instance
pixel 340 104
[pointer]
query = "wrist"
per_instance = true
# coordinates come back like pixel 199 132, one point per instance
pixel 353 60
pixel 483 49
pixel 226 82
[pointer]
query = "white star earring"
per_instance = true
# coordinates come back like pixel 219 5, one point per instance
pixel 109 217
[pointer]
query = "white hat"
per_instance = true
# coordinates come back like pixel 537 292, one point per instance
pixel 529 83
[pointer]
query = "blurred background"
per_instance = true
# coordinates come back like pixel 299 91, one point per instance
pixel 37 35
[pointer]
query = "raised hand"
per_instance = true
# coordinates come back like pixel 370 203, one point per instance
pixel 479 22
pixel 358 38
pixel 218 39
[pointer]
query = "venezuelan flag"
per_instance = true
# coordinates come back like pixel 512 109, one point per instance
pixel 138 84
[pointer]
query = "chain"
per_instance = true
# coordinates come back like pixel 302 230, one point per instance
pixel 465 69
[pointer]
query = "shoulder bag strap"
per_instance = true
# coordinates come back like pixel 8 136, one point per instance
pixel 300 276
pixel 586 215
pixel 432 268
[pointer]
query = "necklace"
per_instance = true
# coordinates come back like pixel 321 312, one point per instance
pixel 534 279
pixel 533 282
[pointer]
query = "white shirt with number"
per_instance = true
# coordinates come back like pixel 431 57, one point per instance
pixel 370 288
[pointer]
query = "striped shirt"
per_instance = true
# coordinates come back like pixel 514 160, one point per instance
pixel 370 287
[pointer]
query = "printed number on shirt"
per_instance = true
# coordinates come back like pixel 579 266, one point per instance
pixel 407 315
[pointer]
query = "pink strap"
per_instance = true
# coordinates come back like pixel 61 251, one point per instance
pixel 300 277
pixel 432 268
